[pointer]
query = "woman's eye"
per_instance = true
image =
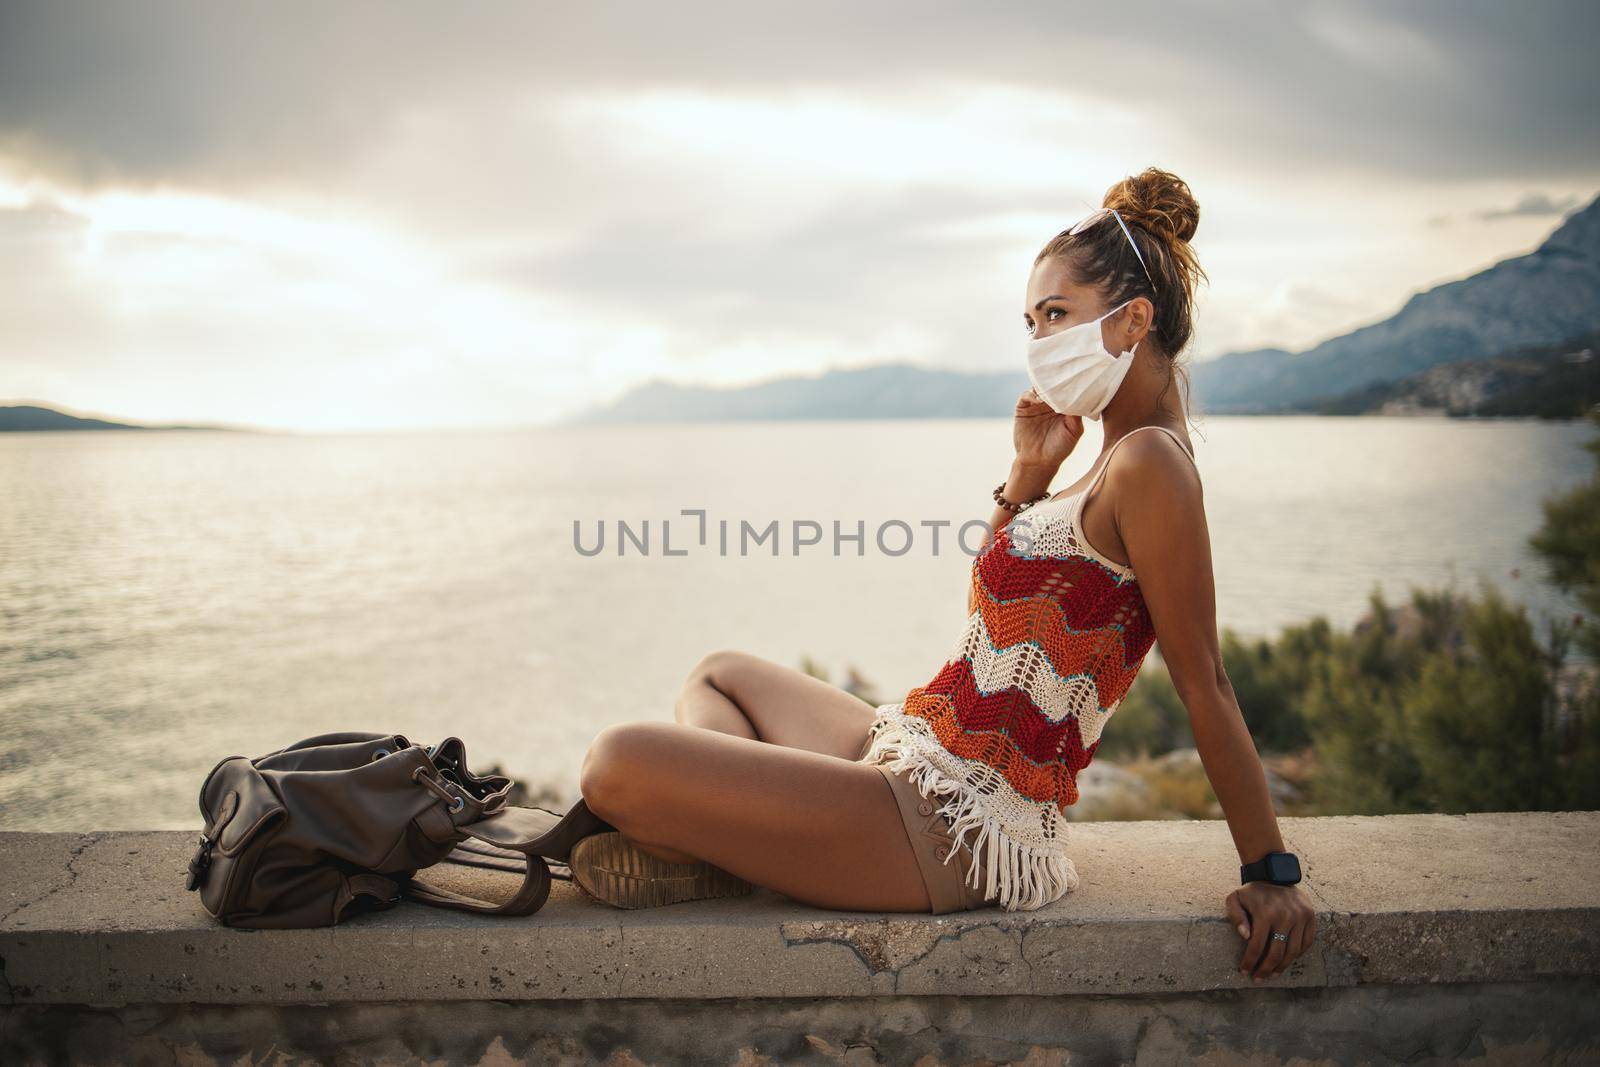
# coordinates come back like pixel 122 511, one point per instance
pixel 1054 311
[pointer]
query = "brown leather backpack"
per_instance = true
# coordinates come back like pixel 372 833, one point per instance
pixel 340 824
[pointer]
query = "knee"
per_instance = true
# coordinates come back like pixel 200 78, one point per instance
pixel 717 669
pixel 614 769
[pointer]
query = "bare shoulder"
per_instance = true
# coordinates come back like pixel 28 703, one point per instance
pixel 1155 464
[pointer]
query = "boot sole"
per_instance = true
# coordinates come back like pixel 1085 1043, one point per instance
pixel 609 867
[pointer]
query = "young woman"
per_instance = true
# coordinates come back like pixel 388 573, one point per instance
pixel 952 798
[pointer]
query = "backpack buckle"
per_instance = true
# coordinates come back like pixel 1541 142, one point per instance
pixel 199 863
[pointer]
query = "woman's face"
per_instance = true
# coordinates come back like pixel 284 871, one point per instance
pixel 1054 301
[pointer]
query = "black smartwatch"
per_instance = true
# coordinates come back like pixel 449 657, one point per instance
pixel 1279 868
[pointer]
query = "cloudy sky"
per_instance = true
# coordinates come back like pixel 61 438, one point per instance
pixel 353 216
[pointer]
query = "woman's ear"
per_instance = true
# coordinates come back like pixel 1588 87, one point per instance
pixel 1142 321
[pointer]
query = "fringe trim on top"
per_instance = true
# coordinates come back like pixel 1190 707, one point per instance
pixel 1018 876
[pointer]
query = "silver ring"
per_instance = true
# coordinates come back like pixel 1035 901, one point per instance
pixel 1279 936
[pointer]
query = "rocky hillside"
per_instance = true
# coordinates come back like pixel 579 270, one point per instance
pixel 1548 381
pixel 1545 297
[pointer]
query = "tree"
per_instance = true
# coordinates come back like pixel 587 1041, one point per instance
pixel 1569 543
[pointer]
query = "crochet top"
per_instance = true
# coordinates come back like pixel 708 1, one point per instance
pixel 1055 634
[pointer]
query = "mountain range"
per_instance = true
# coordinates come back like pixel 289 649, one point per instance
pixel 21 418
pixel 883 391
pixel 1547 297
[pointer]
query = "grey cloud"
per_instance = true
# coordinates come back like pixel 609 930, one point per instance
pixel 438 117
pixel 824 251
pixel 831 276
pixel 54 325
pixel 258 93
pixel 1532 204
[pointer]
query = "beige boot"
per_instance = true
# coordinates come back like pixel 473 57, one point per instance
pixel 611 868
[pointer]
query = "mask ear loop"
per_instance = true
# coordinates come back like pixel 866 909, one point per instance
pixel 1135 349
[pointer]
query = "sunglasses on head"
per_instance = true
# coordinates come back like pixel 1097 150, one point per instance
pixel 1094 217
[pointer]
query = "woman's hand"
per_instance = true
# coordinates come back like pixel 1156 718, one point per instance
pixel 1256 909
pixel 1043 439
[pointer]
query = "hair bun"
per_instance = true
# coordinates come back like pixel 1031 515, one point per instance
pixel 1158 200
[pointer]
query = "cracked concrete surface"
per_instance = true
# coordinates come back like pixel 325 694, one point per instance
pixel 103 918
pixel 25 889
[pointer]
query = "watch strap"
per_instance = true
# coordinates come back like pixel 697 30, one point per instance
pixel 1261 870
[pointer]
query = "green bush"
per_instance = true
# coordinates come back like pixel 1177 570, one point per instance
pixel 1150 721
pixel 1439 709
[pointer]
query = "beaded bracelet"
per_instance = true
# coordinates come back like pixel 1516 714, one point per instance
pixel 1016 508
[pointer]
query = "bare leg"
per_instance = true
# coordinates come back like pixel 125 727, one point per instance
pixel 819 829
pixel 744 695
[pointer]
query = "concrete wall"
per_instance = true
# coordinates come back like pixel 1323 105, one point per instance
pixel 1442 939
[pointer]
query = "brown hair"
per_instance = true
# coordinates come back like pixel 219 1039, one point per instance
pixel 1162 216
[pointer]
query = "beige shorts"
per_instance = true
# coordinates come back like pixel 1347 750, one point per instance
pixel 929 834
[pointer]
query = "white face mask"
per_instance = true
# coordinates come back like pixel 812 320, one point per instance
pixel 1073 371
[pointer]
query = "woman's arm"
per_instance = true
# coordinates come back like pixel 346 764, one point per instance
pixel 1159 511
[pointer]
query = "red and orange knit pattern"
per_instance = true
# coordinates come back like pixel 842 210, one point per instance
pixel 1055 635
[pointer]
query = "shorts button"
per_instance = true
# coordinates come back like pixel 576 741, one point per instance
pixel 942 851
pixel 925 808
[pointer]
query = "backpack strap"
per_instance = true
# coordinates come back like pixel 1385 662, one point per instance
pixel 529 898
pixel 537 834
pixel 474 853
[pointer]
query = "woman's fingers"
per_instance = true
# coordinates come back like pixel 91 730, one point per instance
pixel 1237 915
pixel 1304 917
pixel 1255 949
pixel 1274 959
pixel 1297 943
pixel 1030 402
pixel 1280 953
